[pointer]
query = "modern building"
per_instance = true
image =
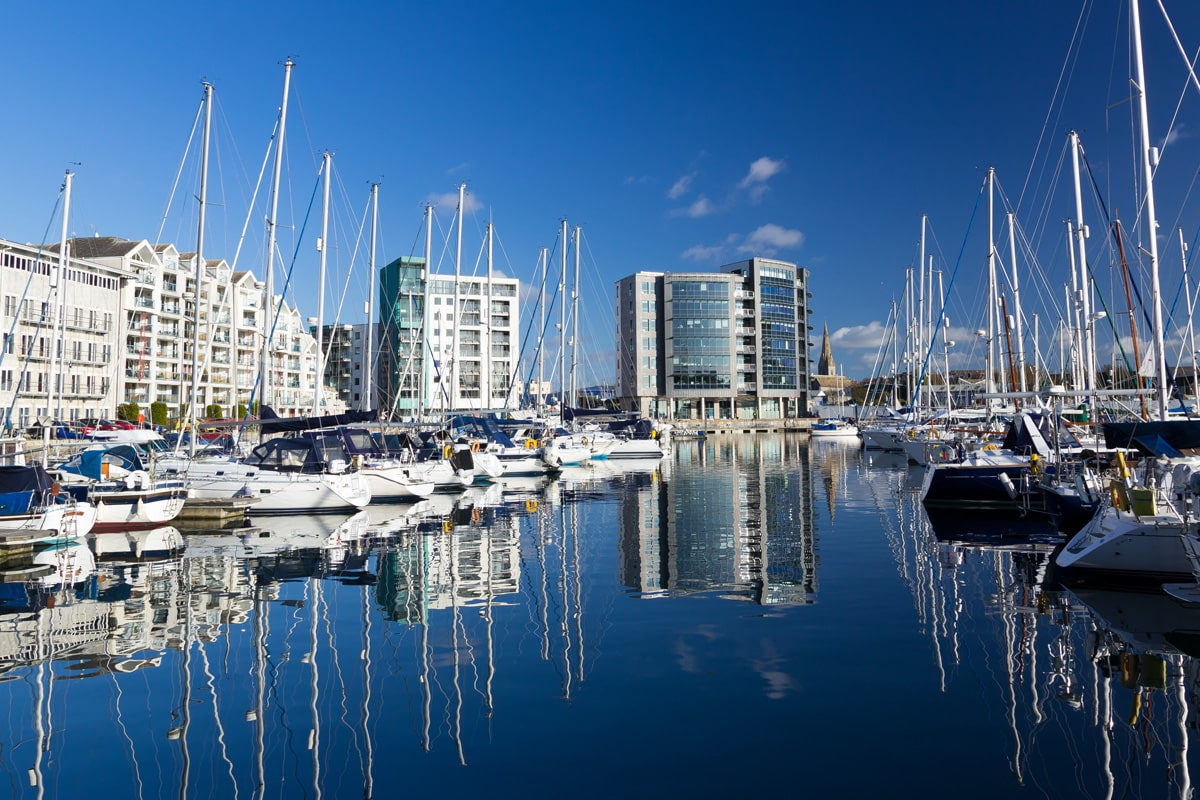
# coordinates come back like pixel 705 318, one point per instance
pixel 701 345
pixel 446 343
pixel 345 357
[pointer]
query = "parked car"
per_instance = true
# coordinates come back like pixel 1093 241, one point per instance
pixel 117 425
pixel 87 426
pixel 58 430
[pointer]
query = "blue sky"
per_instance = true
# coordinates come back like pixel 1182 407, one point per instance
pixel 680 136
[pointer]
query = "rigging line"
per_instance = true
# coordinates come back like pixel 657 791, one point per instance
pixel 541 338
pixel 1070 61
pixel 949 286
pixel 183 159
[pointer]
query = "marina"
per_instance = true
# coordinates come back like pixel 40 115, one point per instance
pixel 748 613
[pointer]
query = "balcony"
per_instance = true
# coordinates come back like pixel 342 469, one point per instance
pixel 747 387
pixel 745 312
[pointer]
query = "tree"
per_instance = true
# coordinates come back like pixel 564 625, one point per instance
pixel 128 412
pixel 212 411
pixel 158 413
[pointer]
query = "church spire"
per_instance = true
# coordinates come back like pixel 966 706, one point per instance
pixel 825 365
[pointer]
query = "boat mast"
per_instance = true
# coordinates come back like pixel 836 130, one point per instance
pixel 1016 290
pixel 367 400
pixel 575 323
pixel 1073 304
pixel 1083 299
pixel 485 367
pixel 990 384
pixel 326 164
pixel 455 393
pixel 919 351
pixel 426 314
pixel 1150 160
pixel 539 402
pixel 562 325
pixel 269 286
pixel 1187 288
pixel 199 270
pixel 58 285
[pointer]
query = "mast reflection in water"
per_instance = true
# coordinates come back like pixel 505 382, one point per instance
pixel 758 613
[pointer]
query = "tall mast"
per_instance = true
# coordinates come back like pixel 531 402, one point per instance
pixel 367 401
pixel 1016 289
pixel 269 286
pixel 455 394
pixel 991 289
pixel 1073 304
pixel 58 287
pixel 485 366
pixel 541 390
pixel 1083 298
pixel 1149 160
pixel 920 318
pixel 199 271
pixel 575 324
pixel 1187 287
pixel 426 315
pixel 322 248
pixel 562 325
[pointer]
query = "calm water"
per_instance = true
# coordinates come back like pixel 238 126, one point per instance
pixel 757 616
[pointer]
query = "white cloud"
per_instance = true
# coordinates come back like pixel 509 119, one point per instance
pixel 769 238
pixel 702 207
pixel 761 171
pixel 703 253
pixel 856 337
pixel 681 186
pixel 449 200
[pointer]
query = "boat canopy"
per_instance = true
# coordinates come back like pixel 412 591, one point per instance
pixel 22 488
pixel 300 454
pixel 89 462
pixel 1171 438
pixel 1035 432
pixel 482 427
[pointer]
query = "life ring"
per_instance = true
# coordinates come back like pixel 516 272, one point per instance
pixel 989 446
pixel 447 525
pixel 448 452
pixel 584 440
pixel 474 447
pixel 944 452
pixel 531 444
pixel 531 506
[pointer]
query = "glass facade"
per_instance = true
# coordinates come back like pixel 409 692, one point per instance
pixel 700 335
pixel 777 310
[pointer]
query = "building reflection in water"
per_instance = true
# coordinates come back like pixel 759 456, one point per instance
pixel 736 518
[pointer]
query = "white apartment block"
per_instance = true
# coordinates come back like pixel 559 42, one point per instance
pixel 153 303
pixel 74 373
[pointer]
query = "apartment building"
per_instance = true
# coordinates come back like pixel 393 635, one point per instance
pixel 60 324
pixel 158 312
pixel 446 343
pixel 733 344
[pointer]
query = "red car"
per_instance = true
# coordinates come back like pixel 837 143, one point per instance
pixel 116 425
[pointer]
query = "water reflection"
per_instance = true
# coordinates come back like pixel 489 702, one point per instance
pixel 1104 678
pixel 439 644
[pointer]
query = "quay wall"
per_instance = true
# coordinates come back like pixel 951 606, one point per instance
pixel 717 427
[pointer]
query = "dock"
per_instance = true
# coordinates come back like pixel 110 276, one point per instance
pixel 696 428
pixel 213 512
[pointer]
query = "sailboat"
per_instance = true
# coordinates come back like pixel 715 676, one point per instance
pixel 116 479
pixel 286 475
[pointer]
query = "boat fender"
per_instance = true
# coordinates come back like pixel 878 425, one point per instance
pixel 990 447
pixel 1035 465
pixel 1007 483
pixel 654 434
pixel 448 452
pixel 476 515
pixel 1084 491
